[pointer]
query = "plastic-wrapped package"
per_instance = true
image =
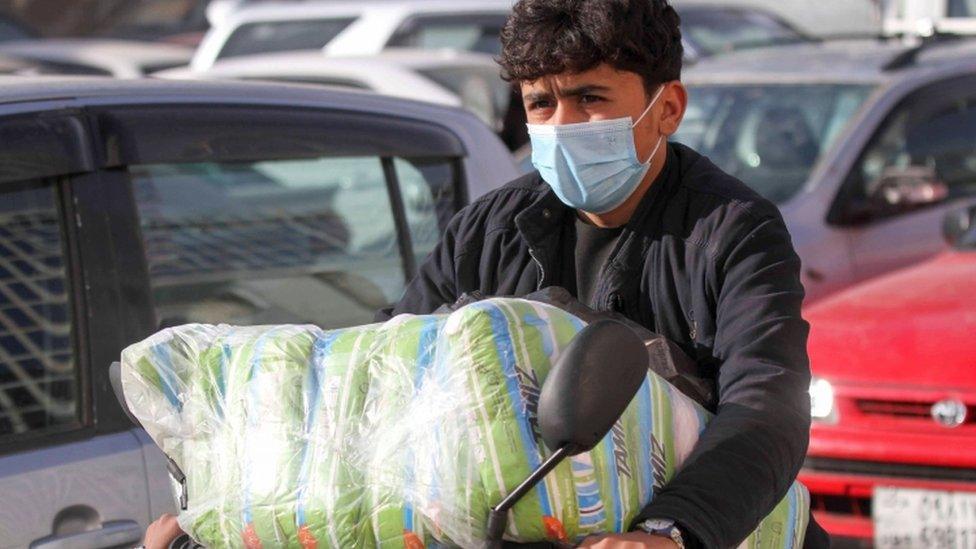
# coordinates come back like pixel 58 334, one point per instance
pixel 401 434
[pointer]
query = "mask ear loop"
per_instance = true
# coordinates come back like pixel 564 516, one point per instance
pixel 647 110
pixel 649 106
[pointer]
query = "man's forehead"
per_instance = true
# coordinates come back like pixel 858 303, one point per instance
pixel 602 76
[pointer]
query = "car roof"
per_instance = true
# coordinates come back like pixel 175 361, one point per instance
pixel 488 163
pixel 442 57
pixel 17 92
pixel 316 61
pixel 378 74
pixel 322 8
pixel 832 61
pixel 122 58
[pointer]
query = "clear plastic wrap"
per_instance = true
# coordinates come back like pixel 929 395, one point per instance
pixel 401 434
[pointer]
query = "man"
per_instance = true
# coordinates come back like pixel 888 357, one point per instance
pixel 633 224
pixel 652 230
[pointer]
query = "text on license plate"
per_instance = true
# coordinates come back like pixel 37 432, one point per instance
pixel 924 518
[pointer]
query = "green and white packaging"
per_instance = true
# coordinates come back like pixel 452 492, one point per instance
pixel 401 434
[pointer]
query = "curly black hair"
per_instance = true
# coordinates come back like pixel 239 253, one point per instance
pixel 547 37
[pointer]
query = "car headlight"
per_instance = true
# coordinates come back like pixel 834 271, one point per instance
pixel 821 399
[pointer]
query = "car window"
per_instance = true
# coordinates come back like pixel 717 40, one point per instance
pixel 714 30
pixel 961 8
pixel 429 191
pixel 284 241
pixel 934 140
pixel 38 373
pixel 769 136
pixel 274 36
pixel 480 33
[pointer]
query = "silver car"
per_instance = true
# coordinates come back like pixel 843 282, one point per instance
pixel 864 145
pixel 126 206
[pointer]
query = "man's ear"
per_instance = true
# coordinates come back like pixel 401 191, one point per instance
pixel 674 101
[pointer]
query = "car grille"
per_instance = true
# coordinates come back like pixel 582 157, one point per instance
pixel 841 505
pixel 897 470
pixel 904 409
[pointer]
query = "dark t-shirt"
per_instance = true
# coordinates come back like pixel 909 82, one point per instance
pixel 593 247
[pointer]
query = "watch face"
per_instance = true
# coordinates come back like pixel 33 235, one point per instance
pixel 657 524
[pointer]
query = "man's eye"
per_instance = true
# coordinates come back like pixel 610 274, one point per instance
pixel 590 99
pixel 535 105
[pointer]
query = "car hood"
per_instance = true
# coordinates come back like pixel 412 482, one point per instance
pixel 913 328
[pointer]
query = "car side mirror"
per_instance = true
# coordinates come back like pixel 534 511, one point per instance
pixel 907 188
pixel 959 228
pixel 585 393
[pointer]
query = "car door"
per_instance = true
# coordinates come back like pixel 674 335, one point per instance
pixel 71 473
pixel 918 166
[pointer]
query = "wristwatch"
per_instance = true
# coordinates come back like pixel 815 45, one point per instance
pixel 664 527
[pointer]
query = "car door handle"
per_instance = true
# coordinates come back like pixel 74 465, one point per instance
pixel 111 534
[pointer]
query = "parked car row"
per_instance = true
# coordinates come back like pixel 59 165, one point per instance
pixel 868 146
pixel 127 206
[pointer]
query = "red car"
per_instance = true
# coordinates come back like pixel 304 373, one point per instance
pixel 892 457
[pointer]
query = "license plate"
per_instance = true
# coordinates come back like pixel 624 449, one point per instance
pixel 908 518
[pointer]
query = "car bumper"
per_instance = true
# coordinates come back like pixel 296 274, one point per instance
pixel 841 492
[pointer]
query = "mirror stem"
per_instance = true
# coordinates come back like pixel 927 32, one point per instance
pixel 498 519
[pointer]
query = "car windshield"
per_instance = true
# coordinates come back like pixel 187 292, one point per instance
pixel 274 36
pixel 769 136
pixel 715 30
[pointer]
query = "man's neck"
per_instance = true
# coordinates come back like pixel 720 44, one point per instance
pixel 619 216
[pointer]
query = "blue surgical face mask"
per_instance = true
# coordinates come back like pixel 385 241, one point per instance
pixel 591 166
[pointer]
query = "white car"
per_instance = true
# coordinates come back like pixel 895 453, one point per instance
pixel 354 28
pixel 96 57
pixel 447 77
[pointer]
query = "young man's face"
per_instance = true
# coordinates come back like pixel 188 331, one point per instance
pixel 601 93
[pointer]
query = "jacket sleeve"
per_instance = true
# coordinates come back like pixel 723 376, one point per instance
pixel 434 285
pixel 751 452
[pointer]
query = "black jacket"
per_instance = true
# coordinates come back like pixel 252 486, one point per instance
pixel 705 262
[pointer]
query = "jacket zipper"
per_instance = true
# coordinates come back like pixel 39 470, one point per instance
pixel 542 270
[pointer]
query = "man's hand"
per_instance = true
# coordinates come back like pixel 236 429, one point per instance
pixel 162 532
pixel 630 540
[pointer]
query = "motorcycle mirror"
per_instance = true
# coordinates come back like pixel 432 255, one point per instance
pixel 591 385
pixel 585 393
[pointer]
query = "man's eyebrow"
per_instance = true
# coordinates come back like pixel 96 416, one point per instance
pixel 577 91
pixel 584 89
pixel 533 97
